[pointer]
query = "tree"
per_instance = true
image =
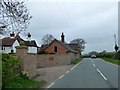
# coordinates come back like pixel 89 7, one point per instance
pixel 14 16
pixel 81 44
pixel 47 39
pixel 93 53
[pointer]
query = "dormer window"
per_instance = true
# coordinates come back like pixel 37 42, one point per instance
pixel 55 48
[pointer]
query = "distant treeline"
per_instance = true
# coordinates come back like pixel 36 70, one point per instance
pixel 104 55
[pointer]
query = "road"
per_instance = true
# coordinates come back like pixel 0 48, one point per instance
pixel 89 73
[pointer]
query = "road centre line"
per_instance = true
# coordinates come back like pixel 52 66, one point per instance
pixel 92 61
pixel 51 85
pixel 101 74
pixel 94 65
pixel 61 76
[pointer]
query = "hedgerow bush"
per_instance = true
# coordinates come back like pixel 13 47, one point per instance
pixel 9 62
pixel 12 78
pixel 106 55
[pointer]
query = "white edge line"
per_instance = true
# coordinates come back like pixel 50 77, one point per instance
pixel 101 74
pixel 76 65
pixel 73 67
pixel 51 85
pixel 110 63
pixel 67 71
pixel 61 76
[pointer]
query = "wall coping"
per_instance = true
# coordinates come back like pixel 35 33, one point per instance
pixel 21 47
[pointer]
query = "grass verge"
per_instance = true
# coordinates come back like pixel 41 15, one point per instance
pixel 76 61
pixel 115 61
pixel 19 82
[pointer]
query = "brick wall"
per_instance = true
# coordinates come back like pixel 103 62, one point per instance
pixel 47 60
pixel 31 62
pixel 28 61
pixel 61 49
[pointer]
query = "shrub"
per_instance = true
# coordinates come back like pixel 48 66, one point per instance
pixel 24 74
pixel 18 82
pixel 106 55
pixel 76 61
pixel 117 55
pixel 9 62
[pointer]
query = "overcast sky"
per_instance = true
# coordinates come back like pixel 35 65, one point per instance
pixel 94 21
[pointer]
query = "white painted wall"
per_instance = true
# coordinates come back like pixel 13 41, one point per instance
pixel 16 43
pixel 32 49
pixel 8 49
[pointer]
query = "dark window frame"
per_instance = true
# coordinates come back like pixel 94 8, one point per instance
pixel 55 49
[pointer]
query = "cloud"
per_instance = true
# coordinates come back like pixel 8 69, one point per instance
pixel 95 22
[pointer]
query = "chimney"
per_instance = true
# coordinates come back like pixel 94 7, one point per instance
pixel 62 37
pixel 12 35
pixel 29 37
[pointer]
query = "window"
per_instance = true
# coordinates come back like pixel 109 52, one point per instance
pixel 55 48
pixel 2 48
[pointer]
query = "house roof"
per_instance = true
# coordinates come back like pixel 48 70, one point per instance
pixel 31 43
pixel 7 41
pixel 43 47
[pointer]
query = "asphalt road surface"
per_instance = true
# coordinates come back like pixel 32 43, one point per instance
pixel 89 73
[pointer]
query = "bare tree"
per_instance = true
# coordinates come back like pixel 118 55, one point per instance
pixel 81 44
pixel 14 16
pixel 47 39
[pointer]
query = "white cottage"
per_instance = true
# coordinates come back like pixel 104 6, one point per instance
pixel 9 44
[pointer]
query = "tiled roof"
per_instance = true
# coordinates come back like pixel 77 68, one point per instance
pixel 65 45
pixel 31 43
pixel 7 41
pixel 43 46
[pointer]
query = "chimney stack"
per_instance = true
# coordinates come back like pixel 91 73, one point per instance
pixel 12 35
pixel 29 37
pixel 62 37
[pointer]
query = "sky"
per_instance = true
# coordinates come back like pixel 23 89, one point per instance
pixel 95 21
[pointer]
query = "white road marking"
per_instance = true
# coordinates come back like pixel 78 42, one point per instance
pixel 73 67
pixel 110 63
pixel 101 74
pixel 51 85
pixel 94 65
pixel 61 76
pixel 92 61
pixel 76 65
pixel 67 71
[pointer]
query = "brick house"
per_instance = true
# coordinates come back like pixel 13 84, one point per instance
pixel 60 47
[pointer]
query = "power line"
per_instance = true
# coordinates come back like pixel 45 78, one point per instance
pixel 66 16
